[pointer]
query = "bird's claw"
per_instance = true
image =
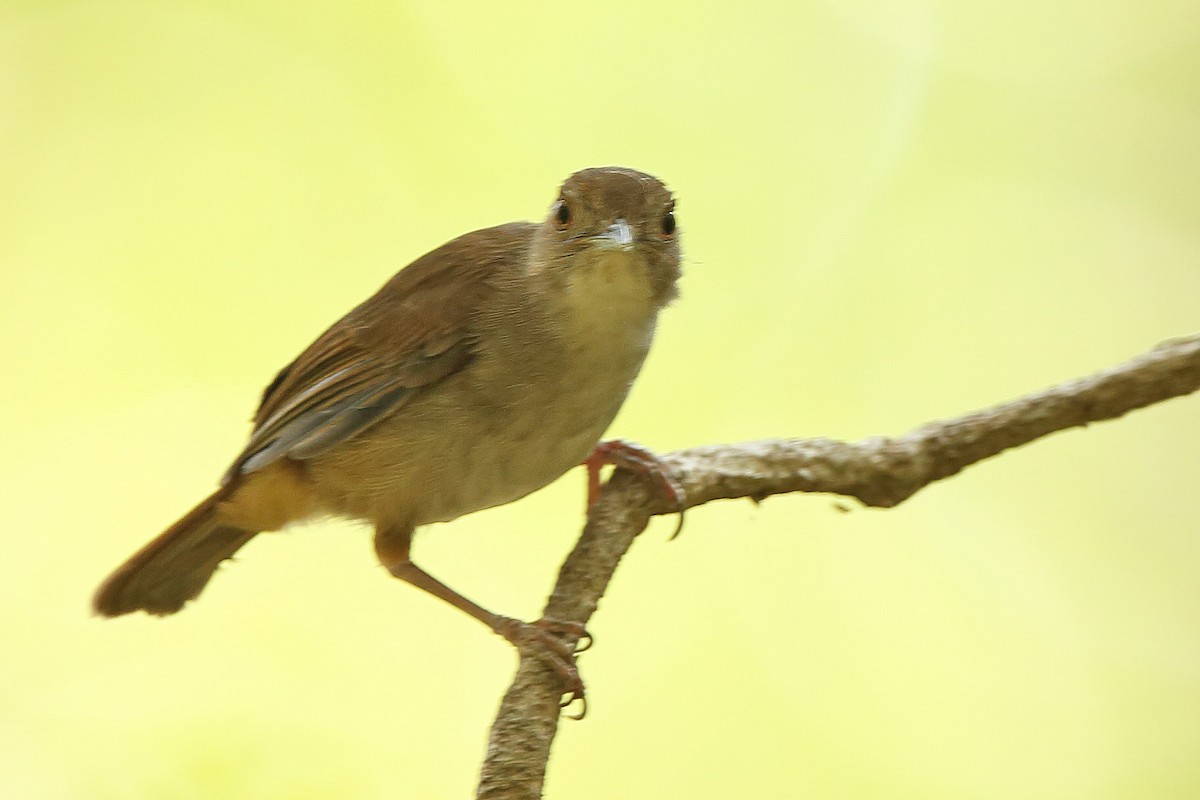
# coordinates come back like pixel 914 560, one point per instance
pixel 634 458
pixel 558 642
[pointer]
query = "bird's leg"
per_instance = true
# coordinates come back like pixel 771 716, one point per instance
pixel 557 641
pixel 634 458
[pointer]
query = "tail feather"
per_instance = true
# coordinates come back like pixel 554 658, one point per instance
pixel 173 568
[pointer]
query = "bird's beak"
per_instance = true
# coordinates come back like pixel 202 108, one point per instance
pixel 619 236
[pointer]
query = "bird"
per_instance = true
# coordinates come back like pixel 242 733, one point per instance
pixel 479 373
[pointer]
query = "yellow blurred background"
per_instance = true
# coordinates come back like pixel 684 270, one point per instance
pixel 891 211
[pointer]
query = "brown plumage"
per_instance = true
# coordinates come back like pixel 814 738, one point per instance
pixel 479 373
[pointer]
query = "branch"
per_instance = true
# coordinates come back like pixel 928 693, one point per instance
pixel 878 471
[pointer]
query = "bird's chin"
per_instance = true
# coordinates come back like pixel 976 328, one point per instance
pixel 606 245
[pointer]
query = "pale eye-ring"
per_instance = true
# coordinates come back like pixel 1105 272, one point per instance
pixel 563 214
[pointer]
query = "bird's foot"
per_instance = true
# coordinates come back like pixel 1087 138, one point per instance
pixel 557 642
pixel 634 458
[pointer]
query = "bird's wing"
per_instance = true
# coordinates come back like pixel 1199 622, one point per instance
pixel 413 333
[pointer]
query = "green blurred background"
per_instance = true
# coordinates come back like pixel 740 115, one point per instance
pixel 891 211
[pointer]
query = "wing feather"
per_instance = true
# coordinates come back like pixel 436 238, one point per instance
pixel 413 333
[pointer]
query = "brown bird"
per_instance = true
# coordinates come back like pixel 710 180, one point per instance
pixel 479 373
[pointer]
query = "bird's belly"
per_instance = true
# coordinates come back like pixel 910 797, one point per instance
pixel 505 426
pixel 459 452
pixel 510 467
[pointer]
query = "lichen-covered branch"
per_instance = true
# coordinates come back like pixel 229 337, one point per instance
pixel 879 471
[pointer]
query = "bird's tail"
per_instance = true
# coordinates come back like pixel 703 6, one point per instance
pixel 173 568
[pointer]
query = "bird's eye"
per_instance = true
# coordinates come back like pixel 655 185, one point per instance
pixel 563 214
pixel 668 223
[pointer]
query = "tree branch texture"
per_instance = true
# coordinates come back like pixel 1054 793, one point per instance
pixel 878 471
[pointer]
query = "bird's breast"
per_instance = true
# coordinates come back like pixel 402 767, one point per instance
pixel 545 383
